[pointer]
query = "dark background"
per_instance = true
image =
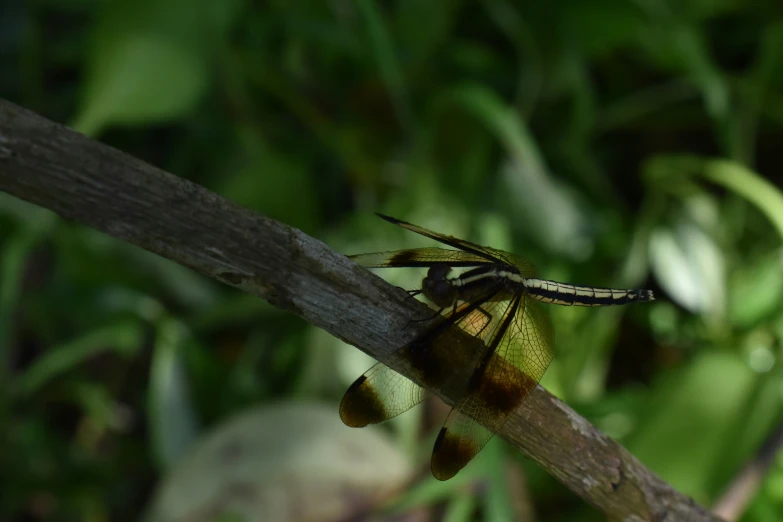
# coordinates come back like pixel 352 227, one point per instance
pixel 614 143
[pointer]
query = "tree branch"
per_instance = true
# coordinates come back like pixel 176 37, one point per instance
pixel 95 185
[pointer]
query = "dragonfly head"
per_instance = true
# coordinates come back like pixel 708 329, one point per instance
pixel 437 288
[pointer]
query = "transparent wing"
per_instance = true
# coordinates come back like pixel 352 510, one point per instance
pixel 442 358
pixel 378 395
pixel 519 352
pixel 382 393
pixel 419 257
pixel 525 267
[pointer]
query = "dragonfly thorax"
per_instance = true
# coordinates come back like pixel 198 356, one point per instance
pixel 485 280
pixel 437 288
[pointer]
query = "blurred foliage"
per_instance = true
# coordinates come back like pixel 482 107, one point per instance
pixel 615 143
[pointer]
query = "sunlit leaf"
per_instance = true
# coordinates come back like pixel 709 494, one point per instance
pixel 690 268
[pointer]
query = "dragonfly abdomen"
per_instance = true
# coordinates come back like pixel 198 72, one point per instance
pixel 575 295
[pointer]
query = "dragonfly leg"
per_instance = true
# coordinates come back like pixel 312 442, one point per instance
pixel 412 293
pixel 429 318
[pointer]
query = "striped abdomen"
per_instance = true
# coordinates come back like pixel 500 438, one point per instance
pixel 573 295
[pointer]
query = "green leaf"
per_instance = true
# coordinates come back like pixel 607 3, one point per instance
pixel 13 263
pixel 741 180
pixel 694 412
pixel 679 44
pixel 140 79
pixel 461 509
pixel 499 501
pixel 123 337
pixel 149 60
pixel 172 416
pixel 277 185
pixel 385 56
pixel 547 209
pixel 755 290
pixel 604 27
pixel 756 421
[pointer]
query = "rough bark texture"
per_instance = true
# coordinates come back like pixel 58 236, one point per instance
pixel 94 185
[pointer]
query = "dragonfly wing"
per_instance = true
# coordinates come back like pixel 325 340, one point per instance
pixel 378 395
pixel 381 393
pixel 525 267
pixel 419 257
pixel 519 352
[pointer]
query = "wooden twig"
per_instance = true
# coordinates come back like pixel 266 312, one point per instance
pixel 95 185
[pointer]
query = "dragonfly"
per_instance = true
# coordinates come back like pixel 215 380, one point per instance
pixel 496 298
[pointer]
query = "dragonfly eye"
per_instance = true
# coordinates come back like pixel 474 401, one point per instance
pixel 438 271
